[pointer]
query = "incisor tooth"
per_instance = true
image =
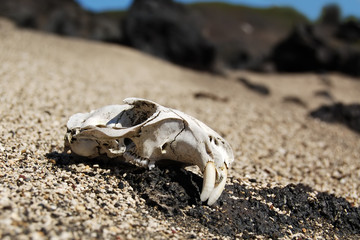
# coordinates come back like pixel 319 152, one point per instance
pixel 216 192
pixel 208 181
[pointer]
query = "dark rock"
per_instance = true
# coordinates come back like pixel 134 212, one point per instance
pixel 330 15
pixel 258 88
pixel 237 59
pixel 303 51
pixel 295 100
pixel 175 192
pixel 169 190
pixel 325 94
pixel 308 49
pixel 211 96
pixel 349 31
pixel 314 48
pixel 65 18
pixel 167 30
pixel 350 63
pixel 348 115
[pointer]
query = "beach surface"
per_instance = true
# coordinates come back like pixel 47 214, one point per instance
pixel 294 176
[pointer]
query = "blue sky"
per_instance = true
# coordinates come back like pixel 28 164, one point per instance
pixel 311 8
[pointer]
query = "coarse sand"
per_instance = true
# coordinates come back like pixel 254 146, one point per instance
pixel 279 149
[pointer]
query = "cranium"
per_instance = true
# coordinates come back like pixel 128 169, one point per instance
pixel 144 132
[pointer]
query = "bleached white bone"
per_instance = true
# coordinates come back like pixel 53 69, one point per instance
pixel 144 132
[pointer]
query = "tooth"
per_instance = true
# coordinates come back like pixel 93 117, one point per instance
pixel 151 165
pixel 208 182
pixel 216 192
pixel 144 163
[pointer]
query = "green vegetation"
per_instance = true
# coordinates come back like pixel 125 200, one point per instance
pixel 351 18
pixel 284 15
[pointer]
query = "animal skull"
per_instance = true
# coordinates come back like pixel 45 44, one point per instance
pixel 144 132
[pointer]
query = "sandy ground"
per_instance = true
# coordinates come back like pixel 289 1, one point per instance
pixel 44 79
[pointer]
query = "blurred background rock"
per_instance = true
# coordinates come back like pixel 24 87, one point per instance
pixel 207 36
pixel 64 17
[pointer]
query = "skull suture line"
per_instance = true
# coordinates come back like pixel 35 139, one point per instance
pixel 144 132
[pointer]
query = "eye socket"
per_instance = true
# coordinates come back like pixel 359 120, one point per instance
pixel 127 141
